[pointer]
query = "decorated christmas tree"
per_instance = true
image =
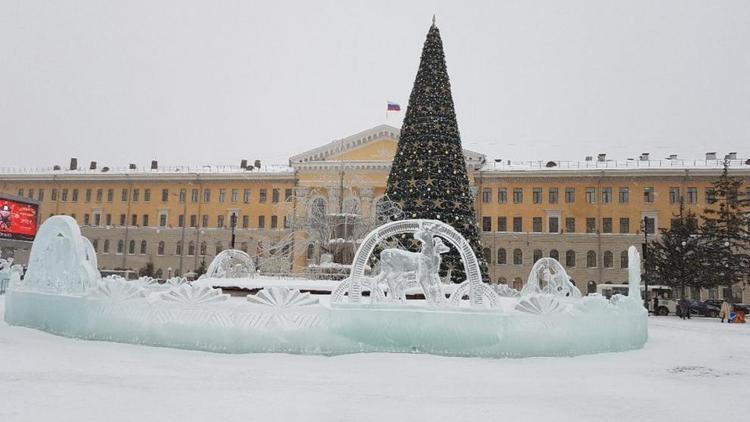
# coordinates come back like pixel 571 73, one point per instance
pixel 428 177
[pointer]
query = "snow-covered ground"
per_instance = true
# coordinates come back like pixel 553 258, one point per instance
pixel 694 370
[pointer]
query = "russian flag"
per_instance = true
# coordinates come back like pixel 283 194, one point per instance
pixel 393 106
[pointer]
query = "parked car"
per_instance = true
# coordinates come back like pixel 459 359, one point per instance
pixel 708 308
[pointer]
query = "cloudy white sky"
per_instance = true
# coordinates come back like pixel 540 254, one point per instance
pixel 189 82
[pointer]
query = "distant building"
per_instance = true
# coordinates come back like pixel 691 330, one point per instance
pixel 585 213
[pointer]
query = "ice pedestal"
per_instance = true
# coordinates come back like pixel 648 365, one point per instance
pixel 549 319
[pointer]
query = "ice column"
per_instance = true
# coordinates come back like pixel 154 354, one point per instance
pixel 634 273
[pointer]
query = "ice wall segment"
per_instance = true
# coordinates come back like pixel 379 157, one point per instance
pixel 63 296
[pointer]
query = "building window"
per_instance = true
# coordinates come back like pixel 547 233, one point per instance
pixel 178 248
pixel 246 196
pixel 274 196
pixel 650 225
pixel 487 255
pixel 692 195
pixel 54 194
pixel 120 246
pixel 517 195
pixel 124 195
pixel 191 248
pixel 64 196
pixel 263 195
pixel 144 220
pixel 106 245
pixel 147 195
pixel 40 195
pixel 143 247
pixel 487 224
pixel 624 195
pixel 590 225
pixel 181 220
pixel 536 195
pixel 193 220
pixel 160 248
pixel 131 247
pixel 222 195
pixel 122 219
pixel 108 219
pixel 204 222
pixel 710 195
pixel 99 195
pixel 517 257
pixel 182 196
pixel 553 195
pixel 194 194
pixel 624 259
pixel 648 195
pixel 164 195
pixel 287 194
pixel 674 195
pixel 537 255
pixel 86 219
pixel 608 259
pixel 502 195
pixel 163 220
pixel 536 224
pixel 245 221
pixel 97 219
pixel 20 192
pixel 517 224
pixel 501 256
pixel 553 224
pixel 134 220
pixel 486 195
pixel 261 221
pixel 274 221
pixel 607 225
pixel 570 195
pixel 204 248
pixel 554 254
pixel 206 196
pixel 220 219
pixel 235 195
pixel 570 224
pixel 624 225
pixel 590 259
pixel 88 195
pixel 136 195
pixel 591 195
pixel 606 195
pixel 75 195
pixel 502 224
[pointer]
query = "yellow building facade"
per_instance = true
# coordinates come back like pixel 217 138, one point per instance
pixel 585 213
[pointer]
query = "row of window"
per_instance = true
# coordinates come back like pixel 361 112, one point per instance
pixel 222 221
pixel 570 257
pixel 553 225
pixel 134 195
pixel 591 195
pixel 161 247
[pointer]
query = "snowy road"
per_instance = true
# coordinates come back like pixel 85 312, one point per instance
pixel 693 370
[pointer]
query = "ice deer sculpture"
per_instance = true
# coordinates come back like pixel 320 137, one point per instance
pixel 398 266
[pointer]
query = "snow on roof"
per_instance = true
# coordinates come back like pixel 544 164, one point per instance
pixel 175 170
pixel 630 164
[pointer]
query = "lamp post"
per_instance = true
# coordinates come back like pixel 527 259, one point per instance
pixel 233 225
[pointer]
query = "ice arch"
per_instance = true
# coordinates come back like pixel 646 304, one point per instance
pixel 61 261
pixel 357 279
pixel 231 263
pixel 548 276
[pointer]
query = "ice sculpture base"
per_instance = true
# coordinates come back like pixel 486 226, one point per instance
pixel 591 325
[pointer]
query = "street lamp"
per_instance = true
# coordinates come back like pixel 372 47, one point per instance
pixel 233 225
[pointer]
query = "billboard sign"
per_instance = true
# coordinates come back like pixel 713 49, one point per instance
pixel 19 218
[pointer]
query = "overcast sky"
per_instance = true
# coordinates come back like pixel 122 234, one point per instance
pixel 189 82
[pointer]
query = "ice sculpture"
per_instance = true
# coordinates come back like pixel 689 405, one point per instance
pixel 231 263
pixel 62 294
pixel 549 277
pixel 62 261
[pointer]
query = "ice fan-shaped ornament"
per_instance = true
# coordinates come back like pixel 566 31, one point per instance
pixel 116 289
pixel 282 297
pixel 540 305
pixel 194 295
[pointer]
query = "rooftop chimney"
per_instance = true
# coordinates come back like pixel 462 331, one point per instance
pixel 710 156
pixel 601 157
pixel 56 167
pixel 154 165
pixel 131 166
pixel 105 169
pixel 74 163
pixel 589 158
pixel 672 157
pixel 732 156
pixel 243 164
pixel 92 166
pixel 644 156
pixel 257 163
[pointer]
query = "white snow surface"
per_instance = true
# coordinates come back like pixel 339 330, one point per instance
pixel 689 370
